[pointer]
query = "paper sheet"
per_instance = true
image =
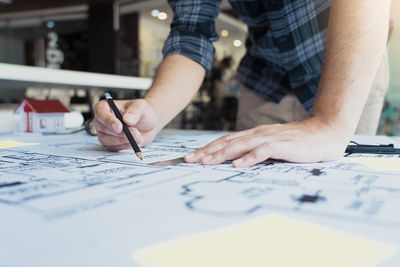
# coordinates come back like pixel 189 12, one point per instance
pixel 382 164
pixel 99 207
pixel 273 240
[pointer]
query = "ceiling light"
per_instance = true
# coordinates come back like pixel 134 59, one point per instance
pixel 224 33
pixel 50 24
pixel 155 13
pixel 162 16
pixel 237 43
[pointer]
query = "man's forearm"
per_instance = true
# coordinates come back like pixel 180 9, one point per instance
pixel 178 79
pixel 356 40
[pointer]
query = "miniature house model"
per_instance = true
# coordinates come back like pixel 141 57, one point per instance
pixel 38 116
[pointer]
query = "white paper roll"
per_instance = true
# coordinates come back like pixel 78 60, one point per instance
pixel 9 122
pixel 73 120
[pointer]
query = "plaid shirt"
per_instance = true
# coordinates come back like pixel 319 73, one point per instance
pixel 285 43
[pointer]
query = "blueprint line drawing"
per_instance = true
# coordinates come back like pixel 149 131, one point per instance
pixel 365 196
pixel 48 177
pixel 79 173
pixel 69 190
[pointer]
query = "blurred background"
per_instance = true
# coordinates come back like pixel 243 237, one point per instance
pixel 390 120
pixel 125 38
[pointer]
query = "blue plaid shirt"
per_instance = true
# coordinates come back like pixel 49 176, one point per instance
pixel 285 44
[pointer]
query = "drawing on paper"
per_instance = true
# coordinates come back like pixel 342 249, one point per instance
pixel 64 176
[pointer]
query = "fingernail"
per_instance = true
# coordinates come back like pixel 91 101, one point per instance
pixel 189 156
pixel 115 127
pixel 129 117
pixel 207 159
pixel 238 162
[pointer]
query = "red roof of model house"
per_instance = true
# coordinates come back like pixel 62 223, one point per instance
pixel 42 106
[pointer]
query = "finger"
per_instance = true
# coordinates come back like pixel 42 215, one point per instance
pixel 206 150
pixel 117 148
pixel 214 146
pixel 113 143
pixel 113 139
pixel 105 116
pixel 234 149
pixel 239 134
pixel 257 155
pixel 102 128
pixel 137 135
pixel 147 137
pixel 134 112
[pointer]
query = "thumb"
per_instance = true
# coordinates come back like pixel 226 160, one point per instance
pixel 134 112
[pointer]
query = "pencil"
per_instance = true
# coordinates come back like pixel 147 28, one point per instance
pixel 124 126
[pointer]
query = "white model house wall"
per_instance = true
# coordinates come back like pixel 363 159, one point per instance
pixel 48 122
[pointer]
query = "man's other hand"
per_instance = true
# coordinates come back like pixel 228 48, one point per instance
pixel 303 141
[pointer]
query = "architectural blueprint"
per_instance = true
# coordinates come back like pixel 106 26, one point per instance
pixel 68 196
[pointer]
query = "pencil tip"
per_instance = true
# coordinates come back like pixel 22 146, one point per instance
pixel 139 155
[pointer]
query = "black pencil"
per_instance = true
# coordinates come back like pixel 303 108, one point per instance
pixel 124 126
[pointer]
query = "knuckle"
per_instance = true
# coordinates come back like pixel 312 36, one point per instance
pixel 139 103
pixel 135 108
pixel 262 151
pixel 99 106
pixel 220 154
pixel 110 120
pixel 268 147
pixel 107 123
pixel 254 155
pixel 225 138
pixel 97 125
pixel 209 148
pixel 200 150
pixel 101 113
pixel 261 128
pixel 247 141
pixel 221 144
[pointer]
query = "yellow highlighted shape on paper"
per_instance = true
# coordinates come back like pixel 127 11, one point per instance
pixel 382 164
pixel 272 240
pixel 10 143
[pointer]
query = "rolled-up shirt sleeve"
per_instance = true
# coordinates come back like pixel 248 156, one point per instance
pixel 193 30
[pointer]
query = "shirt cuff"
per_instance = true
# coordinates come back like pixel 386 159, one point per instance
pixel 192 45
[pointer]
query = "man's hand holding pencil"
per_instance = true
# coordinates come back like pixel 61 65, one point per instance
pixel 138 115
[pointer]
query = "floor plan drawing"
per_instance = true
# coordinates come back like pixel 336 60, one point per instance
pixel 73 180
pixel 338 189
